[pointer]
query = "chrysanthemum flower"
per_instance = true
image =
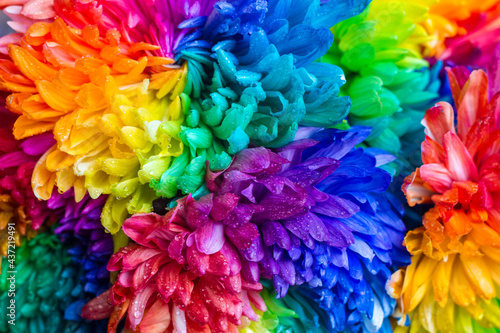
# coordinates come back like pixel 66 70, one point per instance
pixel 313 214
pixel 454 271
pixel 46 283
pixel 462 30
pixel 18 204
pixel 177 278
pixel 388 81
pixel 114 111
pixel 252 81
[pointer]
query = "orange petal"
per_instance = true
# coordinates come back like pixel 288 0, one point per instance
pixel 458 225
pixel 57 97
pixel 25 127
pixel 30 66
pixel 58 160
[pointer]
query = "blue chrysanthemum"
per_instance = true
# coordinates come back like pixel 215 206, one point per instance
pixel 252 81
pixel 90 248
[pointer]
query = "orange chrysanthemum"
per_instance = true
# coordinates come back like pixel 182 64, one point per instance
pixel 451 284
pixel 114 110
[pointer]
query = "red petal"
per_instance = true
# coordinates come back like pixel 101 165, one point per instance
pixel 490 173
pixel 182 294
pixel 98 308
pixel 233 283
pixel 168 279
pixel 197 261
pixel 137 256
pixel 432 152
pixel 218 265
pixel 438 121
pixel 145 271
pixel 115 262
pixel 196 310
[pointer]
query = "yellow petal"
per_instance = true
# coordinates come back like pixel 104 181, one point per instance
pixel 56 96
pixel 441 280
pixel 479 276
pixel 43 180
pixel 460 289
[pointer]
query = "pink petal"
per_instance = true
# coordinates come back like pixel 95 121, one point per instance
pixel 460 164
pixel 247 307
pixel 233 284
pixel 251 160
pixel 257 300
pixel 6 40
pixel 39 9
pixel 179 320
pixel 438 121
pixel 145 271
pixel 437 176
pixel 135 227
pixel 494 73
pixel 197 211
pixel 232 257
pixel 210 237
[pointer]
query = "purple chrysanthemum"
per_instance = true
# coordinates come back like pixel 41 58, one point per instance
pixel 313 213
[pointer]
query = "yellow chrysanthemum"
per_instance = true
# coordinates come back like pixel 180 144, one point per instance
pixel 114 109
pixel 449 282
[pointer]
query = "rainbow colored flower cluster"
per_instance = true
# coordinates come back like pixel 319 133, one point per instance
pixel 253 166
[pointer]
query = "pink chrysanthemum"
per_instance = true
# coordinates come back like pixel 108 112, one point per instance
pixel 167 282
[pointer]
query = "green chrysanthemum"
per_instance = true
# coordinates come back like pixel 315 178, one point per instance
pixel 45 285
pixel 389 83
